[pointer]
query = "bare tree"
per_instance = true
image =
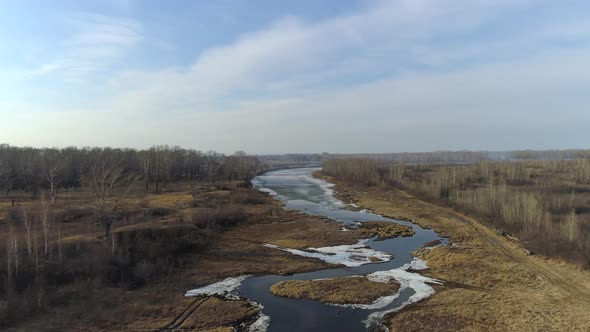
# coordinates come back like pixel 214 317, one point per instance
pixel 45 223
pixel 52 164
pixel 109 186
pixel 27 221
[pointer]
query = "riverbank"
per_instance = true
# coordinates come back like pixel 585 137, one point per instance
pixel 490 283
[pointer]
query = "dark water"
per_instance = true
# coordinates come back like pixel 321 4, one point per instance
pixel 298 190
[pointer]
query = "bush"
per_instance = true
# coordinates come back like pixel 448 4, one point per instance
pixel 209 218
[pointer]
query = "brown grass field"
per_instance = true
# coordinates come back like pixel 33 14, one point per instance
pixel 345 290
pixel 491 283
pixel 176 246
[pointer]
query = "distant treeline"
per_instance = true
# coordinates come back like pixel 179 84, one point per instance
pixel 546 203
pixel 446 157
pixel 34 170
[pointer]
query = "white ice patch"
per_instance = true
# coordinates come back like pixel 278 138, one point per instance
pixel 365 211
pixel 224 287
pixel 353 205
pixel 406 280
pixel 344 229
pixel 416 264
pixel 262 322
pixel 269 191
pixel 348 255
pixel 379 303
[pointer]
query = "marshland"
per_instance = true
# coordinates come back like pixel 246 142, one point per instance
pixel 277 166
pixel 140 234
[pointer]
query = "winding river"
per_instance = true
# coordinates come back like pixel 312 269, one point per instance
pixel 300 191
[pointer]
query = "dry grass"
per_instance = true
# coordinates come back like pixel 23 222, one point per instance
pixel 387 230
pixel 490 282
pixel 171 257
pixel 545 203
pixel 213 312
pixel 346 290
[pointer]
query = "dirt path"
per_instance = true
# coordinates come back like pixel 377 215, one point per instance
pixel 575 290
pixel 180 319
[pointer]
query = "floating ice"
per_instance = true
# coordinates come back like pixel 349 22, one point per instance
pixel 224 287
pixel 348 255
pixel 262 322
pixel 379 303
pixel 305 185
pixel 406 280
pixel 269 191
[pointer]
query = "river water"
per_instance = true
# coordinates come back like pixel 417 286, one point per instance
pixel 300 191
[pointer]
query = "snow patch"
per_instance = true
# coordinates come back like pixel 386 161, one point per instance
pixel 379 303
pixel 224 287
pixel 269 191
pixel 262 322
pixel 416 264
pixel 353 205
pixel 349 255
pixel 406 280
pixel 344 229
pixel 365 211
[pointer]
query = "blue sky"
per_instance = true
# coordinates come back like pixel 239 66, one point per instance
pixel 296 76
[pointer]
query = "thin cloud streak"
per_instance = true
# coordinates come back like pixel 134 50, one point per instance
pixel 97 41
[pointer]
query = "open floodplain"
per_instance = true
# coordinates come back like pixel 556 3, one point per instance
pixel 302 251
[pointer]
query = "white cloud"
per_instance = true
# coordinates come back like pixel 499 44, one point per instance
pixel 95 43
pixel 383 79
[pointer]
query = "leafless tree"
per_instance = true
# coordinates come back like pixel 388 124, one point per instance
pixel 109 186
pixel 27 221
pixel 45 225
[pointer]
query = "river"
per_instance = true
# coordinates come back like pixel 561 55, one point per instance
pixel 299 190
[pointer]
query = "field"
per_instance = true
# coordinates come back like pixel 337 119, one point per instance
pixel 163 245
pixel 345 290
pixel 490 281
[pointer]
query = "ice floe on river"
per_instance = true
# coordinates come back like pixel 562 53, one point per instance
pixel 349 255
pixel 406 279
pixel 225 287
pixel 262 322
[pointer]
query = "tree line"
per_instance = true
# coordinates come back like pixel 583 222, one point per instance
pixel 33 170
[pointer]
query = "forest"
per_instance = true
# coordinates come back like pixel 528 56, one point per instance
pixel 88 218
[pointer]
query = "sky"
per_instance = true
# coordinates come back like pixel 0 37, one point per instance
pixel 268 76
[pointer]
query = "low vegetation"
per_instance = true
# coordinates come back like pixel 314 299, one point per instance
pixel 347 290
pixel 544 203
pixel 387 230
pixel 74 219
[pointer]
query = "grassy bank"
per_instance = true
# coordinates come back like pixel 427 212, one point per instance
pixel 490 283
